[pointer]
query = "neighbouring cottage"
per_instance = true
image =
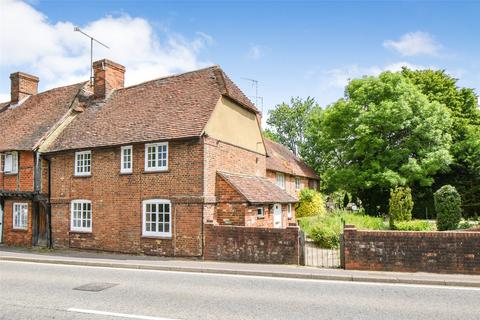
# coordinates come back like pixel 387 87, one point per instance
pixel 288 171
pixel 137 169
pixel 25 121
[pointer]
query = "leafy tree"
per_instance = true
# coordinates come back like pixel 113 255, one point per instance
pixel 400 205
pixel 310 204
pixel 464 171
pixel 448 208
pixel 385 133
pixel 267 133
pixel 287 122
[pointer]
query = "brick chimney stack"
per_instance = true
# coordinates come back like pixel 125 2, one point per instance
pixel 108 76
pixel 22 86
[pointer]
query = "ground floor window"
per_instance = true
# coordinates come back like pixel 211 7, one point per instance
pixel 81 215
pixel 260 213
pixel 289 211
pixel 20 215
pixel 156 218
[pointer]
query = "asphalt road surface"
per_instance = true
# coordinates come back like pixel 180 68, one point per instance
pixel 45 291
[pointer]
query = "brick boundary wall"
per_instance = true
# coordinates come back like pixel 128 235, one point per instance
pixel 251 244
pixel 410 251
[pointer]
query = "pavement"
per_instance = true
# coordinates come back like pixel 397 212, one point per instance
pixel 111 260
pixel 40 291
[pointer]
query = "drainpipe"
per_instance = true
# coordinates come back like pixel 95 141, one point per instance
pixel 49 207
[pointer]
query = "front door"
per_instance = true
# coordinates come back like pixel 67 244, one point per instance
pixel 1 223
pixel 40 230
pixel 277 215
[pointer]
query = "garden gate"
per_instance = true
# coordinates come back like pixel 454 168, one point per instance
pixel 316 256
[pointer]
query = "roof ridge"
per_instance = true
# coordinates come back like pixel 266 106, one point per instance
pixel 215 66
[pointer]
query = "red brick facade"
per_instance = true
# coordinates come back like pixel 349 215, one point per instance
pixel 11 235
pixel 442 252
pixel 290 185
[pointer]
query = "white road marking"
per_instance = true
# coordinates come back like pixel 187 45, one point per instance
pixel 119 315
pixel 347 282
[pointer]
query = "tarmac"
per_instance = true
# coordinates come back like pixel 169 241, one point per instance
pixel 126 261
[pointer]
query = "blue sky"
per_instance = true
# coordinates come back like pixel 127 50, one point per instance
pixel 292 48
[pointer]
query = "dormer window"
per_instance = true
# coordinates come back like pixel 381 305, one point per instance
pixel 9 162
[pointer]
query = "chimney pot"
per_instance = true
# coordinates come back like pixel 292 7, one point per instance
pixel 22 86
pixel 108 76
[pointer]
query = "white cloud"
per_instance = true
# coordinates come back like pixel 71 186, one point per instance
pixel 255 52
pixel 415 43
pixel 60 56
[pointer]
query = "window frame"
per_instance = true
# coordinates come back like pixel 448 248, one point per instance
pixel 13 162
pixel 282 184
pixel 14 221
pixel 298 183
pixel 81 229
pixel 2 161
pixel 262 216
pixel 122 159
pixel 156 168
pixel 83 173
pixel 157 234
pixel 289 211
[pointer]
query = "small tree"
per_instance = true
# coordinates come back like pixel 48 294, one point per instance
pixel 346 201
pixel 448 207
pixel 311 203
pixel 400 205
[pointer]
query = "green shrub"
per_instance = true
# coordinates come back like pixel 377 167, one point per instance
pixel 310 204
pixel 400 205
pixel 325 230
pixel 448 208
pixel 415 225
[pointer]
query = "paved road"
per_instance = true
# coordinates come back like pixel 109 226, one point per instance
pixel 44 291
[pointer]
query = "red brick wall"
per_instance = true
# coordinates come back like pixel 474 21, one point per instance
pixel 246 244
pixel 117 200
pixel 24 179
pixel 441 252
pixel 16 237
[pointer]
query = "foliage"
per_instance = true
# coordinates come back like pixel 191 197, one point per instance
pixel 325 230
pixel 267 133
pixel 346 201
pixel 310 204
pixel 287 122
pixel 447 206
pixel 385 133
pixel 465 169
pixel 400 205
pixel 415 225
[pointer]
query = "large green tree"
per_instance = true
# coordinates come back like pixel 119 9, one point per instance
pixel 287 122
pixel 384 133
pixel 464 171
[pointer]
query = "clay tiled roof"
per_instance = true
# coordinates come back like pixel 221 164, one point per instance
pixel 24 125
pixel 281 159
pixel 257 189
pixel 167 108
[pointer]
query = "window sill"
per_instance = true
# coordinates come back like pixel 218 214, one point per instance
pixel 260 218
pixel 126 173
pixel 19 229
pixel 156 171
pixel 79 232
pixel 157 237
pixel 10 173
pixel 82 176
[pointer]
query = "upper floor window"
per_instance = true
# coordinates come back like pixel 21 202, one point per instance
pixel 156 218
pixel 81 215
pixel 83 163
pixel 126 162
pixel 20 215
pixel 298 183
pixel 280 180
pixel 9 162
pixel 260 212
pixel 156 156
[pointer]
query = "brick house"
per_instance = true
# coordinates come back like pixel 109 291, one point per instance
pixel 288 171
pixel 24 182
pixel 141 169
